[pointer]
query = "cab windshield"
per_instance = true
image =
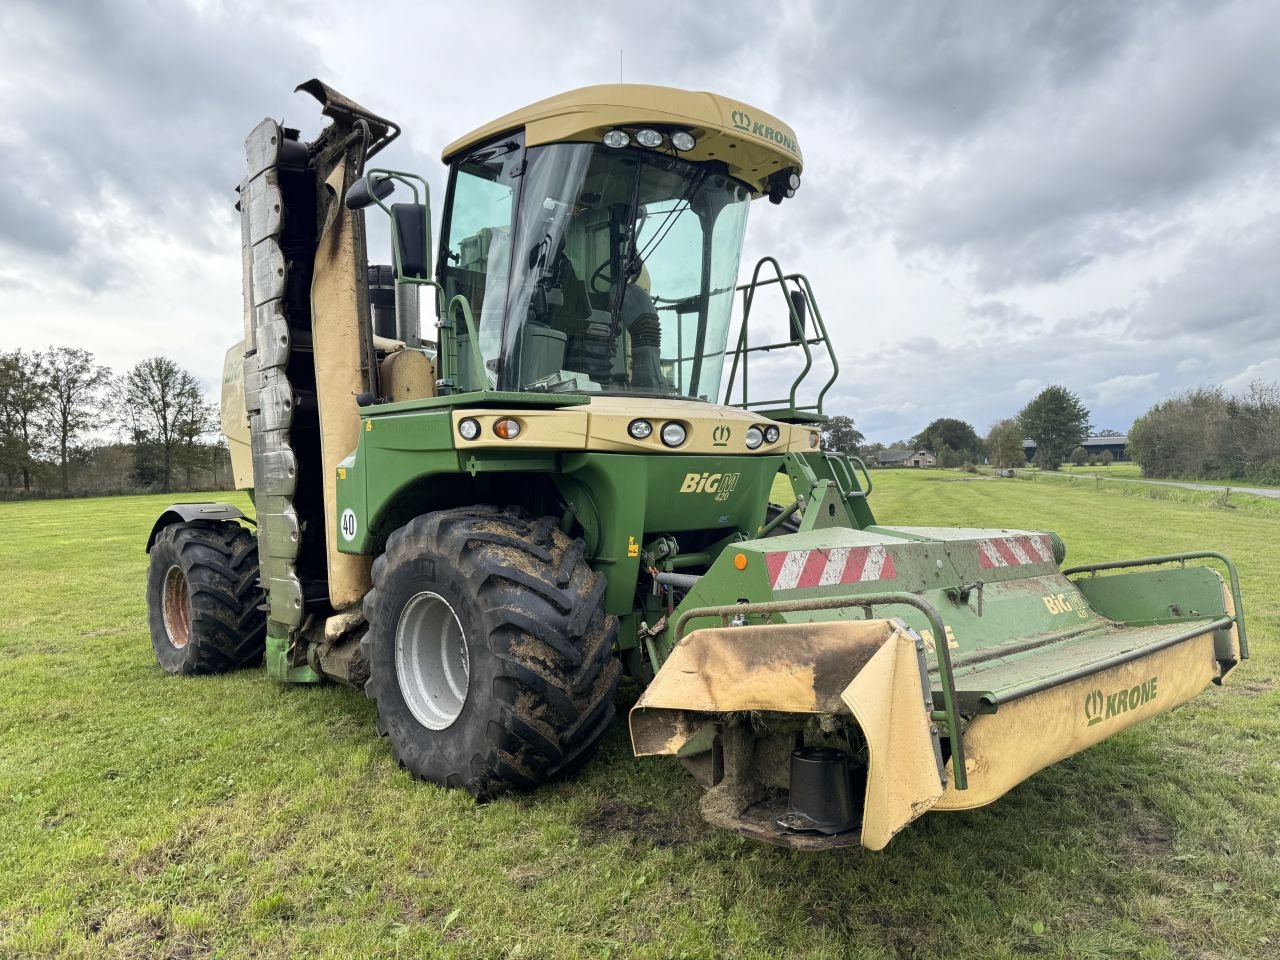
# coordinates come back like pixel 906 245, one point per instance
pixel 592 269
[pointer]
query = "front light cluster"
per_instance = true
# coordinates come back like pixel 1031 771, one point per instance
pixel 681 140
pixel 672 434
pixel 756 436
pixel 507 428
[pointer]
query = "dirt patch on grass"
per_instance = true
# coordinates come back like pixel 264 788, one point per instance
pixel 1153 838
pixel 106 631
pixel 1255 687
pixel 1149 836
pixel 615 818
pixel 525 876
pixel 21 650
pixel 903 933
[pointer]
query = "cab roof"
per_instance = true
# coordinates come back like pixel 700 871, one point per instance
pixel 752 143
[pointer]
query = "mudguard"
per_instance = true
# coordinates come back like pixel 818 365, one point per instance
pixel 186 512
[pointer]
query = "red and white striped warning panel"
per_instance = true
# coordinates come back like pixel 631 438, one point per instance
pixel 799 569
pixel 1014 551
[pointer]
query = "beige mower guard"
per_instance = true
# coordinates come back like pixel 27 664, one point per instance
pixel 807 668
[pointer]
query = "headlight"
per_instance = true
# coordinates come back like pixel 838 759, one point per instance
pixel 682 141
pixel 616 139
pixel 640 429
pixel 755 437
pixel 468 429
pixel 648 138
pixel 673 434
pixel 793 181
pixel 771 434
pixel 813 440
pixel 507 429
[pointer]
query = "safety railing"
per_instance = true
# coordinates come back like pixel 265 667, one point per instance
pixel 801 308
pixel 1233 579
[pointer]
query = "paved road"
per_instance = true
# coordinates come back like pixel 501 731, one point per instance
pixel 1271 493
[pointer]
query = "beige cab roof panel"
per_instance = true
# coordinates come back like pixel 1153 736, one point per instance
pixel 753 143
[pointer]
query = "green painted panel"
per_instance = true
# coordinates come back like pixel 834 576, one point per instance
pixel 629 498
pixel 1163 595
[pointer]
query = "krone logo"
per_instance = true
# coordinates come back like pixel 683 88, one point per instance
pixel 1093 704
pixel 740 119
pixel 720 436
pixel 1099 706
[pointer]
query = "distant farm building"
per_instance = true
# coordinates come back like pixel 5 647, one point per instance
pixel 906 458
pixel 1119 447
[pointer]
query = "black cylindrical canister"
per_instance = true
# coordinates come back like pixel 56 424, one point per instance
pixel 821 796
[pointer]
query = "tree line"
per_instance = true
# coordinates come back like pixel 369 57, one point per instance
pixel 1210 434
pixel 1056 419
pixel 69 425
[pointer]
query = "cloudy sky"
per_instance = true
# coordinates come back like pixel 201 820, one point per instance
pixel 997 196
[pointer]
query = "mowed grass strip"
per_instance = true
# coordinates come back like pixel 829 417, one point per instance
pixel 152 816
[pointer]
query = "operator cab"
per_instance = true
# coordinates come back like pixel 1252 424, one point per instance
pixel 590 268
pixel 588 247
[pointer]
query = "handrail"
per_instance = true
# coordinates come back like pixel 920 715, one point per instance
pixel 949 714
pixel 482 379
pixel 866 474
pixel 742 349
pixel 1093 568
pixel 843 474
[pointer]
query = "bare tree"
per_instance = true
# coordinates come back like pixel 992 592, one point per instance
pixel 75 385
pixel 163 409
pixel 23 389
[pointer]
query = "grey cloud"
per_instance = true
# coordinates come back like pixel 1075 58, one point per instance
pixel 31 221
pixel 1227 292
pixel 140 105
pixel 940 70
pixel 1192 103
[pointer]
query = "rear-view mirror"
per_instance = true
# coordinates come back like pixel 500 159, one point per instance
pixel 368 190
pixel 411 239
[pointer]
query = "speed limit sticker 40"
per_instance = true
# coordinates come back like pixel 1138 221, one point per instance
pixel 348 525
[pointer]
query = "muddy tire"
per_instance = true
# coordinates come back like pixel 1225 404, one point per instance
pixel 490 654
pixel 203 598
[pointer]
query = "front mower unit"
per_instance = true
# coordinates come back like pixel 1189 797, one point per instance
pixel 951 663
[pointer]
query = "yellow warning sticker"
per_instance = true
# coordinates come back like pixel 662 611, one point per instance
pixel 633 548
pixel 951 637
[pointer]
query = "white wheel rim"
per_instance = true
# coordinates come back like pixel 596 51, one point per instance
pixel 433 665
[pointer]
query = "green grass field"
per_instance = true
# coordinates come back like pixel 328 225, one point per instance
pixel 152 816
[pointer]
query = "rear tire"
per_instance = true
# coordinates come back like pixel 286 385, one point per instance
pixel 203 598
pixel 490 654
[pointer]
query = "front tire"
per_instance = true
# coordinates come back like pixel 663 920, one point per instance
pixel 490 654
pixel 203 598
